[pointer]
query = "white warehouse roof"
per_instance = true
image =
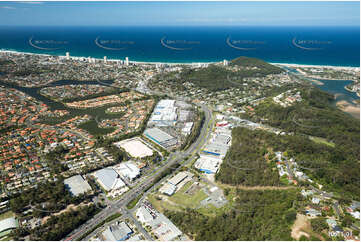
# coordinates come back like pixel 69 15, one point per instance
pixel 77 185
pixel 135 147
pixel 216 149
pixel 168 189
pixel 164 228
pixel 128 169
pixel 208 164
pixel 109 179
pixel 164 103
pixel 164 113
pixel 144 215
pixel 9 223
pixel 160 137
pixel 178 178
pixel 117 232
pixel 222 139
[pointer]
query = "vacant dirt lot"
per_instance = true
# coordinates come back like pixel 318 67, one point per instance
pixel 300 226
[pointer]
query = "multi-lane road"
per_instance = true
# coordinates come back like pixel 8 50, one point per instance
pixel 119 205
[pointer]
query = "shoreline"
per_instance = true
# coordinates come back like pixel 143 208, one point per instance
pixel 317 82
pixel 307 65
pixel 170 63
pixel 350 108
pixel 349 90
pixel 81 58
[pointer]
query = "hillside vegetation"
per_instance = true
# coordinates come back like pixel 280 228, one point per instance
pixel 264 67
pixel 216 78
pixel 269 218
pixel 245 163
pixel 336 166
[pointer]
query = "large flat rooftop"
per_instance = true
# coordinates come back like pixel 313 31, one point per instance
pixel 77 185
pixel 160 137
pixel 135 147
pixel 207 164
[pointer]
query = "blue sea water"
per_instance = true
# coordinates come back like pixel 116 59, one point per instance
pixel 338 46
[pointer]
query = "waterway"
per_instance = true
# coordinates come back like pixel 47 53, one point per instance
pixel 98 113
pixel 336 87
pixel 35 91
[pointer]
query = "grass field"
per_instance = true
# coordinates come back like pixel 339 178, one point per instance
pixel 179 200
pixel 186 200
pixel 321 141
pixel 161 205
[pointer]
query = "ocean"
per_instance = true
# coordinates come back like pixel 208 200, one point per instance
pixel 336 46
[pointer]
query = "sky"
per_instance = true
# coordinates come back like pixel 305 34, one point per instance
pixel 180 13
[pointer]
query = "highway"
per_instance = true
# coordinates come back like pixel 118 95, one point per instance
pixel 119 205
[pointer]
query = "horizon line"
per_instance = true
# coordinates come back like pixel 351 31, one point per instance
pixel 177 25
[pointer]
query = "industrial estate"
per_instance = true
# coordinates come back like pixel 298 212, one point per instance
pixel 101 149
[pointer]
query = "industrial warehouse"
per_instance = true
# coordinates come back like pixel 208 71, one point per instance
pixel 7 226
pixel 77 185
pixel 110 180
pixel 128 170
pixel 164 114
pixel 175 183
pixel 160 137
pixel 170 123
pixel 135 147
pixel 117 232
pixel 208 164
pixel 218 145
pixel 215 150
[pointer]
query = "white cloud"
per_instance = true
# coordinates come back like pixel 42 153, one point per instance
pixel 210 20
pixel 29 2
pixel 7 7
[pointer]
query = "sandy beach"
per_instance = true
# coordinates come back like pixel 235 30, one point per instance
pixel 170 63
pixel 80 58
pixel 351 108
pixel 316 66
pixel 317 82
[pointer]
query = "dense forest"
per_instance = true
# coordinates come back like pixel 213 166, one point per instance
pixel 218 78
pixel 263 68
pixel 269 218
pixel 331 166
pixel 245 162
pixel 336 166
pixel 313 116
pixel 50 196
pixel 57 227
pixel 213 78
